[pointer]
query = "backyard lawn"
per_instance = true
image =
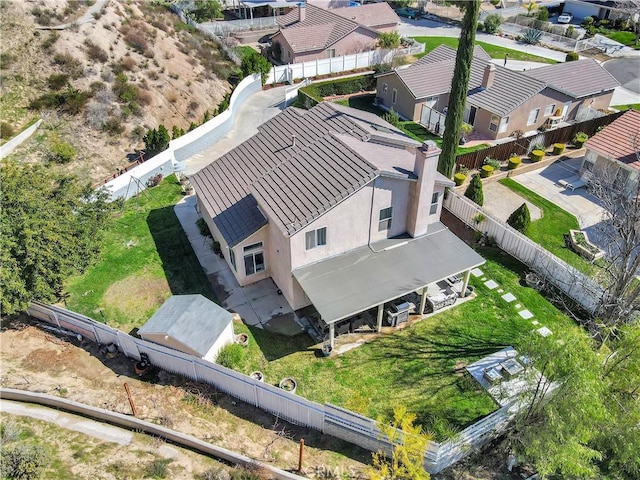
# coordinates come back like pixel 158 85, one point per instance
pixel 494 51
pixel 549 230
pixel 145 258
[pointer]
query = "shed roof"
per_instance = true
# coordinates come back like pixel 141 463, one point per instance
pixel 192 320
pixel 581 78
pixel 620 140
pixel 291 180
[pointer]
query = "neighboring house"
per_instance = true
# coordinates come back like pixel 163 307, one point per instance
pixel 500 101
pixel 614 152
pixel 339 208
pixel 192 324
pixel 596 8
pixel 309 32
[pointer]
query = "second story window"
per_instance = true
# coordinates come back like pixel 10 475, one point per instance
pixel 434 203
pixel 550 109
pixel 253 258
pixel 384 220
pixel 533 116
pixel 316 238
pixel 394 96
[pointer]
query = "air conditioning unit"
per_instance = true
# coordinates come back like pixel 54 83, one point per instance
pixel 399 313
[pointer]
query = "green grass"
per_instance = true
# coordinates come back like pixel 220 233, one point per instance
pixel 145 258
pixel 625 38
pixel 413 129
pixel 414 366
pixel 632 106
pixel 494 51
pixel 549 230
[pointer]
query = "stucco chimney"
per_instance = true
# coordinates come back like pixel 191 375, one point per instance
pixel 302 12
pixel 488 76
pixel 425 168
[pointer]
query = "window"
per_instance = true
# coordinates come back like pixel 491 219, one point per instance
pixel 533 116
pixel 316 238
pixel 253 258
pixel 331 52
pixel 550 109
pixel 385 87
pixel 394 96
pixel 495 121
pixel 503 125
pixel 434 203
pixel 384 222
pixel 232 259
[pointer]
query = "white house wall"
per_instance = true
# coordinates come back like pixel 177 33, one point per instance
pixel 225 338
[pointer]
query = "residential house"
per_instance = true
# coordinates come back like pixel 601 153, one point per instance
pixel 614 152
pixel 339 208
pixel 500 101
pixel 309 32
pixel 602 9
pixel 192 324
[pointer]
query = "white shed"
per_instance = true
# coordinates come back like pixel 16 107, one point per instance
pixel 192 324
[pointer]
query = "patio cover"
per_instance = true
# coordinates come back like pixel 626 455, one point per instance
pixel 347 284
pixel 272 3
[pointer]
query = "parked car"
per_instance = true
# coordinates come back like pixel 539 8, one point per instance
pixel 566 17
pixel 408 12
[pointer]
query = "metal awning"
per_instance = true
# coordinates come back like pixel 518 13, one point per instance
pixel 348 284
pixel 272 4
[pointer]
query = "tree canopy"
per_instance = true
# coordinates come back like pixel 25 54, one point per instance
pixel 51 228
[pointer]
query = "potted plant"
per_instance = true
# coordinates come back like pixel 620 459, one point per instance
pixel 514 162
pixel 486 171
pixel 289 384
pixel 459 178
pixel 537 155
pixel 257 375
pixel 558 148
pixel 579 139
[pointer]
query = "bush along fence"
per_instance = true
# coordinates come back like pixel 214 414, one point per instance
pixel 329 419
pixel 310 95
pixel 523 146
pixel 573 283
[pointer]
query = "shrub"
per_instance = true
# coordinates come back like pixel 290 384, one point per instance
pixel 520 218
pixel 156 141
pixel 96 52
pixel 127 63
pixel 570 32
pixel 486 171
pixel 157 468
pixel 61 152
pixel 113 125
pixel 203 227
pixel 492 23
pixel 392 117
pixel 50 40
pixel 579 139
pixel 6 131
pixel 479 27
pixel 230 356
pixel 57 80
pixel 531 36
pixel 389 40
pixel 24 462
pixel 537 155
pixel 492 162
pixel 572 57
pixel 253 62
pixel 543 14
pixel 459 178
pixel 474 190
pixel 558 148
pixel 514 162
pixel 69 64
pixel 136 40
pixel 9 431
pixel 154 181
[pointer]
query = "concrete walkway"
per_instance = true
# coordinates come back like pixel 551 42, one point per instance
pixel 501 202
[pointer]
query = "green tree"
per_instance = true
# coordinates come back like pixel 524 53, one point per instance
pixel 411 443
pixel 520 218
pixel 474 190
pixel 389 40
pixel 155 141
pixel 205 10
pixel 531 6
pixel 492 23
pixel 543 14
pixel 51 229
pixel 24 462
pixel 459 88
pixel 253 62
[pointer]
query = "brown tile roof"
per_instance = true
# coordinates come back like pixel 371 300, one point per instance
pixel 320 29
pixel 620 140
pixel 296 184
pixel 578 79
pixel 372 15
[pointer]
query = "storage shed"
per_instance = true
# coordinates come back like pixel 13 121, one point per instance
pixel 191 324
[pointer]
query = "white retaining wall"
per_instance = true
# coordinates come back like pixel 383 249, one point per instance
pixel 11 145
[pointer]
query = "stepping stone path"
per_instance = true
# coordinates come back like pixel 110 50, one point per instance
pixel 544 331
pixel 491 284
pixel 526 314
pixel 518 306
pixel 476 272
pixel 535 322
pixel 500 290
pixel 508 297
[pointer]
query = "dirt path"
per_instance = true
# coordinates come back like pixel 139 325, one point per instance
pixel 36 360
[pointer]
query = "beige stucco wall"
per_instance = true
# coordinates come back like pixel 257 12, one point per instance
pixel 261 235
pixel 610 166
pixel 225 338
pixel 406 106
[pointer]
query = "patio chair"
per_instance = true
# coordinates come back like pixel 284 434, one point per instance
pixel 578 183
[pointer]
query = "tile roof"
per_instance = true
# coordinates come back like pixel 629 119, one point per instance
pixel 291 180
pixel 319 30
pixel 577 79
pixel 620 140
pixel 193 320
pixel 371 15
pixel 433 73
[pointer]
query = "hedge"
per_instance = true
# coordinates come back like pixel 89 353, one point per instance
pixel 313 94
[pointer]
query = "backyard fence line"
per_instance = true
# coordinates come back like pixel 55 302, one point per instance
pixel 501 152
pixel 344 63
pixel 223 28
pixel 573 283
pixel 291 93
pixel 328 419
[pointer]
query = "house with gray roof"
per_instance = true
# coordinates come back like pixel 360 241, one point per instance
pixel 309 32
pixel 191 324
pixel 499 101
pixel 338 207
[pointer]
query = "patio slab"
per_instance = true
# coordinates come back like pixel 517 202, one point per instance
pixel 509 297
pixel 490 284
pixel 544 331
pixel 501 201
pixel 526 314
pixel 476 272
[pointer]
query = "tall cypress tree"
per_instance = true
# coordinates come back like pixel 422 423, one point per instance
pixel 459 88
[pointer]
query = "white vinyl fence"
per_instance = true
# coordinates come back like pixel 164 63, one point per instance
pixel 222 29
pixel 563 276
pixel 326 66
pixel 329 419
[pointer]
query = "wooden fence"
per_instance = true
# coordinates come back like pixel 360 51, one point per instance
pixel 327 418
pixel 474 160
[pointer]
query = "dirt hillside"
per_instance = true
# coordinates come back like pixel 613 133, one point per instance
pixel 133 67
